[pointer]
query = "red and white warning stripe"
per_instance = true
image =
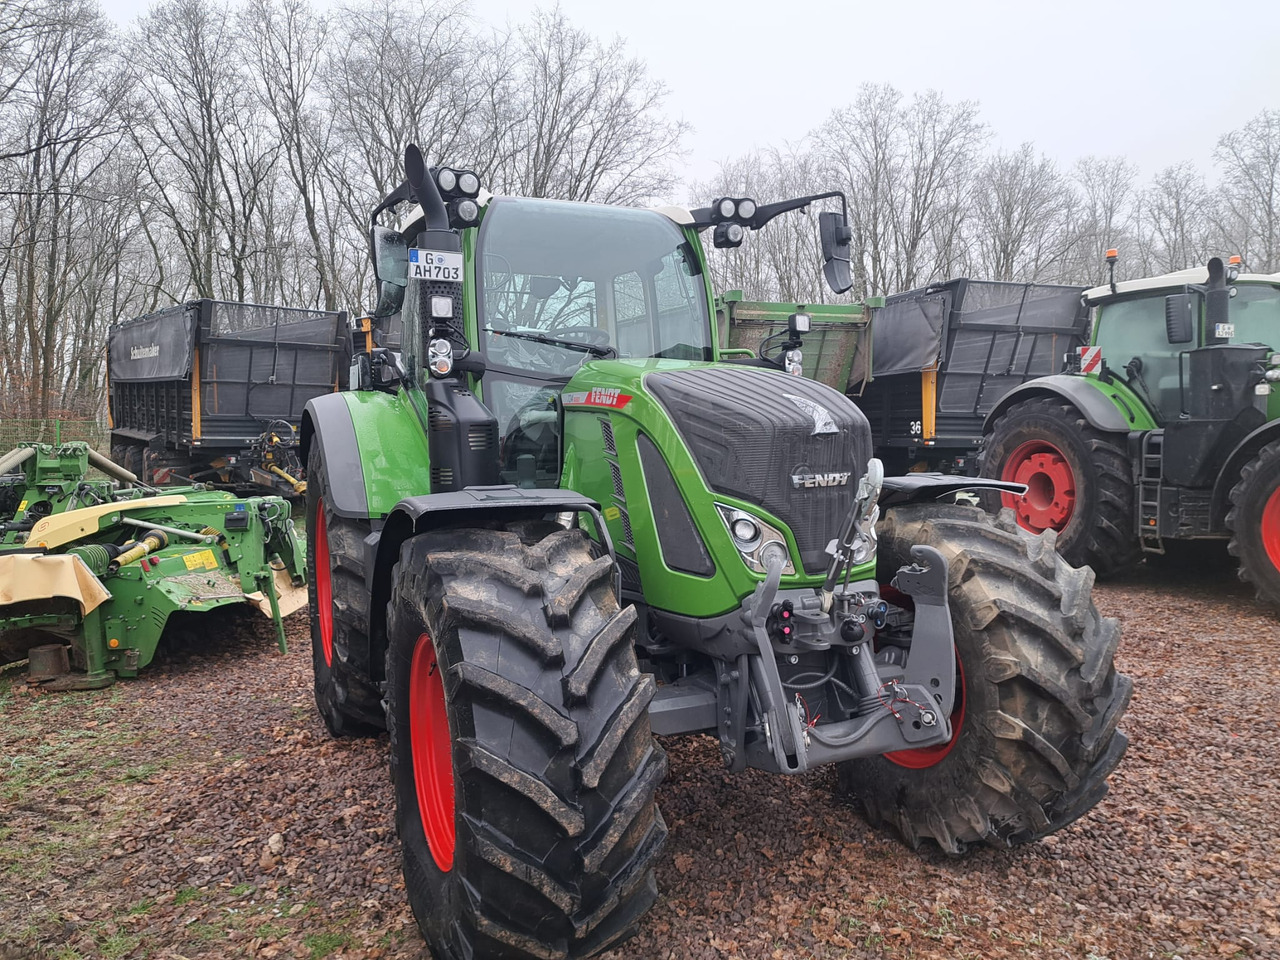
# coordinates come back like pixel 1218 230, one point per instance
pixel 1090 359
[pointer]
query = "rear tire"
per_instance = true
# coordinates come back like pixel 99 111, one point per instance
pixel 1037 711
pixel 1048 443
pixel 1254 522
pixel 346 695
pixel 529 827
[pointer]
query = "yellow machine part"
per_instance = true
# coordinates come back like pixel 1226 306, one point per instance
pixel 63 528
pixel 28 576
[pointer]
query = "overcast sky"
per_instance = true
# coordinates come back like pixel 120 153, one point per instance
pixel 1156 81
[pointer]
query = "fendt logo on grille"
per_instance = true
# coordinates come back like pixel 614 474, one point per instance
pixel 803 478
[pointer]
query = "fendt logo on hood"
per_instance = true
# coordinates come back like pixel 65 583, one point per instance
pixel 803 478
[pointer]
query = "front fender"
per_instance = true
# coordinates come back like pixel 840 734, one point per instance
pixel 373 448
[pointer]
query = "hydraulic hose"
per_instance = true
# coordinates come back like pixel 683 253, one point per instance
pixel 151 541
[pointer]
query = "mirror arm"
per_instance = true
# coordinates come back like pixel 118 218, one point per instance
pixel 702 216
pixel 400 194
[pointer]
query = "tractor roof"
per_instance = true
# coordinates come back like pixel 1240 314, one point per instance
pixel 1178 278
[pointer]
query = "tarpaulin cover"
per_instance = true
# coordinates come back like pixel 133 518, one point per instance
pixel 907 332
pixel 154 347
pixel 267 362
pixel 1002 335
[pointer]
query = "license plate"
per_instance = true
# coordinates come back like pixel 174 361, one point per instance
pixel 435 265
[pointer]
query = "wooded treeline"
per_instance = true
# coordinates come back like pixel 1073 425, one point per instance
pixel 234 151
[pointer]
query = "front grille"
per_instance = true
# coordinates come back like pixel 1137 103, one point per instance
pixel 749 440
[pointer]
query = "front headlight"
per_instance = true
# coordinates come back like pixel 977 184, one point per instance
pixel 759 544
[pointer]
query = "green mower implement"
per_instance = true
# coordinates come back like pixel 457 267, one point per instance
pixel 98 566
pixel 553 517
pixel 1164 432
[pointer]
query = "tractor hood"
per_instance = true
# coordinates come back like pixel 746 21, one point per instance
pixel 791 445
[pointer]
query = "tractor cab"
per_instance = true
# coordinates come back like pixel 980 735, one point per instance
pixel 559 284
pixel 1148 333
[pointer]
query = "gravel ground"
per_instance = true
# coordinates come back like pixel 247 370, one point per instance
pixel 202 811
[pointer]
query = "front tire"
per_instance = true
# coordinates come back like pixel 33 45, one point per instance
pixel 1079 480
pixel 1035 721
pixel 524 766
pixel 1254 522
pixel 346 695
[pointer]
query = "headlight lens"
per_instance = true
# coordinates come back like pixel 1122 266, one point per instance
pixel 745 530
pixel 757 542
pixel 727 208
pixel 447 179
pixel 774 553
pixel 469 184
pixel 747 208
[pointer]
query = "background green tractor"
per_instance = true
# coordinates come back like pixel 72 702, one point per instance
pixel 558 520
pixel 1166 430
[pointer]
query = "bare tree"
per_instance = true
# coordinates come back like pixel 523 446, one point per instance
pixel 1174 219
pixel 1021 217
pixel 592 127
pixel 908 173
pixel 1104 214
pixel 1250 163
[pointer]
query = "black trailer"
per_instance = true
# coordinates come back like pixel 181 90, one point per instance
pixel 213 390
pixel 944 355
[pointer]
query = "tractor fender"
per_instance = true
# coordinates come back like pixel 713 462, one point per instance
pixel 1229 475
pixel 327 421
pixel 1080 392
pixel 374 449
pixel 473 506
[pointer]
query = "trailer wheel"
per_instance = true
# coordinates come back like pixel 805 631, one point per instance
pixel 345 692
pixel 1038 703
pixel 524 767
pixel 1254 522
pixel 1079 481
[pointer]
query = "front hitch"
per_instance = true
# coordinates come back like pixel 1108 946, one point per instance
pixel 905 711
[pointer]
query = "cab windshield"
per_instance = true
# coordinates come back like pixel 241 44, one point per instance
pixel 615 280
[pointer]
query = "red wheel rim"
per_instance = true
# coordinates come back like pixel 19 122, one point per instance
pixel 1050 499
pixel 432 750
pixel 928 756
pixel 324 586
pixel 1271 528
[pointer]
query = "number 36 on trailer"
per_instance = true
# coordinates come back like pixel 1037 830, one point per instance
pixel 435 265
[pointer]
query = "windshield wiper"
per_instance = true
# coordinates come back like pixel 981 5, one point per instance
pixel 591 348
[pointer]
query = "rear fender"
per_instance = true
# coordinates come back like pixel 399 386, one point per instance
pixel 373 447
pixel 1108 407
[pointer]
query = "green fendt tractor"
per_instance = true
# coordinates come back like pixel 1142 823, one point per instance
pixel 98 565
pixel 1165 430
pixel 555 523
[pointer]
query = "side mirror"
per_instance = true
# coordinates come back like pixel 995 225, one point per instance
pixel 390 256
pixel 837 241
pixel 1179 318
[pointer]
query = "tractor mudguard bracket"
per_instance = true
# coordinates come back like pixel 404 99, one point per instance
pixel 928 487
